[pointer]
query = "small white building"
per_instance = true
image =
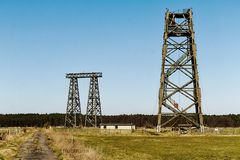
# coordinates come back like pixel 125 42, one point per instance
pixel 121 126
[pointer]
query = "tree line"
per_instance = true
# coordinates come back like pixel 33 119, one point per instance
pixel 140 120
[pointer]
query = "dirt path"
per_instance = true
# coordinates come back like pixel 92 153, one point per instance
pixel 36 148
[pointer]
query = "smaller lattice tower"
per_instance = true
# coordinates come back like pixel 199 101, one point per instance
pixel 93 113
pixel 73 116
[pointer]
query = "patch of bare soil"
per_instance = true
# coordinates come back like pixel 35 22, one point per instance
pixel 36 148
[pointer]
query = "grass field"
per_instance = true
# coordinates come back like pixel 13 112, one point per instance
pixel 139 146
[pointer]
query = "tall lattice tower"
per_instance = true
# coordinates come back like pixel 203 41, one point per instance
pixel 179 93
pixel 73 116
pixel 94 113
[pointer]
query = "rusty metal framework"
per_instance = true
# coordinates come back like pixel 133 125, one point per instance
pixel 179 93
pixel 93 116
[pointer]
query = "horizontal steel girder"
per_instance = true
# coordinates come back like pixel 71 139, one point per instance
pixel 84 75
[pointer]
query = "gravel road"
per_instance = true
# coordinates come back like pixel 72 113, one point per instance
pixel 36 148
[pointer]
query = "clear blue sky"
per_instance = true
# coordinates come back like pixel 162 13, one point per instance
pixel 41 40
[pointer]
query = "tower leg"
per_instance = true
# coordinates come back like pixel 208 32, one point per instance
pixel 94 113
pixel 73 116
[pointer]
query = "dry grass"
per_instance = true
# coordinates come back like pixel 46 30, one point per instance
pixel 67 147
pixel 11 143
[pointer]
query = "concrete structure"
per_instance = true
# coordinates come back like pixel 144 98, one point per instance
pixel 121 126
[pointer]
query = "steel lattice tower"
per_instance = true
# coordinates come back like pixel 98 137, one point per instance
pixel 73 116
pixel 94 113
pixel 179 93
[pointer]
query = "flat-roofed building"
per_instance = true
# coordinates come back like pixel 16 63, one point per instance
pixel 121 126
